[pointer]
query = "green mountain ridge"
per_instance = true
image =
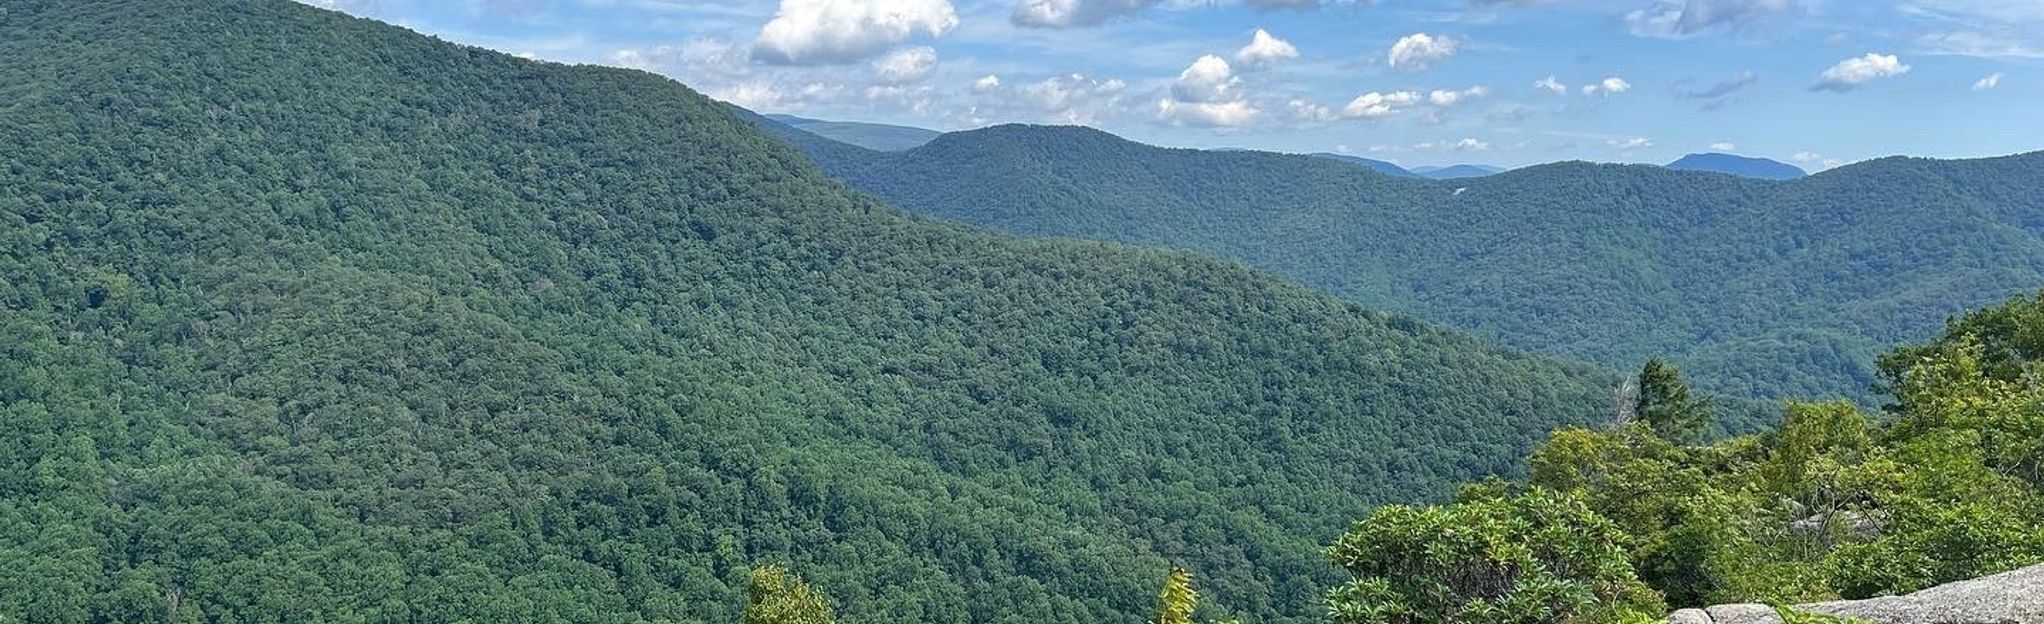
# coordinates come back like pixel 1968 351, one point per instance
pixel 1757 288
pixel 883 137
pixel 310 318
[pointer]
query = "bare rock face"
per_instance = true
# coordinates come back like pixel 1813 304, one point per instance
pixel 2009 598
pixel 1744 614
pixel 1689 616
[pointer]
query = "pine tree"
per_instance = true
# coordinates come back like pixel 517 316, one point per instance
pixel 780 597
pixel 1667 406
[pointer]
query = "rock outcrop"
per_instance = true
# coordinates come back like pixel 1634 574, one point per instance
pixel 2009 598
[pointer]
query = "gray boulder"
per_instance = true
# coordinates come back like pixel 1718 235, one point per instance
pixel 2010 598
pixel 1744 614
pixel 1689 616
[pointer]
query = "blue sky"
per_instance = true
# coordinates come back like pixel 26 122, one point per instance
pixel 1418 82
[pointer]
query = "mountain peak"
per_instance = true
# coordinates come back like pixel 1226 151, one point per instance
pixel 1742 166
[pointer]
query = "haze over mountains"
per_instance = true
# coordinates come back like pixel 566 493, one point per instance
pixel 1758 288
pixel 893 138
pixel 311 318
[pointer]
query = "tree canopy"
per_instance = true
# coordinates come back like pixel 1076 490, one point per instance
pixel 310 318
pixel 1758 289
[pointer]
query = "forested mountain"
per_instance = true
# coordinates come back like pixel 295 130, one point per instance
pixel 311 318
pixel 1739 166
pixel 1390 169
pixel 1757 288
pixel 883 137
pixel 1455 172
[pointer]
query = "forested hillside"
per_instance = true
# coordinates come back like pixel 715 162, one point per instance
pixel 310 318
pixel 1760 289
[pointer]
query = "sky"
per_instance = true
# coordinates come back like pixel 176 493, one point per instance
pixel 1818 83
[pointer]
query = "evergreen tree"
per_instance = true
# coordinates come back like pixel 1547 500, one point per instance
pixel 780 597
pixel 1667 406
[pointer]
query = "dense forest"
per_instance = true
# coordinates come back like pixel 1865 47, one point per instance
pixel 1759 289
pixel 311 318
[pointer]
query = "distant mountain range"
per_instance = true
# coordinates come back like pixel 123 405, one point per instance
pixel 1743 166
pixel 1759 288
pixel 873 136
pixel 1379 166
pixel 895 138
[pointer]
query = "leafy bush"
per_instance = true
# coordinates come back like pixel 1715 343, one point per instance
pixel 1537 557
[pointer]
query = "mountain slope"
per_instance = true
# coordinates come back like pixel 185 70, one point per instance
pixel 1379 166
pixel 1742 166
pixel 883 137
pixel 1756 288
pixel 310 318
pixel 1455 172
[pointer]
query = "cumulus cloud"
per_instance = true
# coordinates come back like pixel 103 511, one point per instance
pixel 1680 18
pixel 1631 143
pixel 821 32
pixel 1074 13
pixel 1989 83
pixel 1854 73
pixel 1265 50
pixel 986 84
pixel 1213 114
pixel 1607 86
pixel 1207 93
pixel 906 65
pixel 1446 98
pixel 1070 98
pixel 1724 146
pixel 1464 145
pixel 1375 105
pixel 1208 79
pixel 1551 84
pixel 1419 51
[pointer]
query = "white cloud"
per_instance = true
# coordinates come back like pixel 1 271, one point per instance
pixel 1607 86
pixel 1208 79
pixel 1724 146
pixel 1207 93
pixel 1374 105
pixel 1816 160
pixel 1071 98
pixel 1443 98
pixel 986 84
pixel 697 59
pixel 1989 83
pixel 1072 13
pixel 906 65
pixel 752 94
pixel 1853 73
pixel 1632 143
pixel 818 32
pixel 1464 145
pixel 1681 18
pixel 1552 84
pixel 1419 51
pixel 1214 114
pixel 1265 50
